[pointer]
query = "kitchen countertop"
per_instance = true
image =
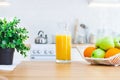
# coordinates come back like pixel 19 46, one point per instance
pixel 75 45
pixel 50 70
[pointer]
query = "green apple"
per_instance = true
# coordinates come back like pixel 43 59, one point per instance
pixel 98 53
pixel 98 42
pixel 117 42
pixel 106 43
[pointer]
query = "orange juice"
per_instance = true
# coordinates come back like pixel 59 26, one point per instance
pixel 63 48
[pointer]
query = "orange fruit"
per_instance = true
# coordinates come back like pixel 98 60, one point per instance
pixel 88 51
pixel 111 52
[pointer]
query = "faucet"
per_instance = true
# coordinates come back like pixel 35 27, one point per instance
pixel 85 31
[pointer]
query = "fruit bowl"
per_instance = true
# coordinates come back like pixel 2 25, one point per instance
pixel 113 61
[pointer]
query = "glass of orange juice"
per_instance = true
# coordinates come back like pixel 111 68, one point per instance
pixel 63 47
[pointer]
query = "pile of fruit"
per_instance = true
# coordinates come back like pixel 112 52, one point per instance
pixel 104 48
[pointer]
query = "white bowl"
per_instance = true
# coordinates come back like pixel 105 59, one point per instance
pixel 114 60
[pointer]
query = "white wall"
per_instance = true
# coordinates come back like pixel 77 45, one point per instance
pixel 45 15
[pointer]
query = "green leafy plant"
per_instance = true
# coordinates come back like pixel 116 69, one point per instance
pixel 13 36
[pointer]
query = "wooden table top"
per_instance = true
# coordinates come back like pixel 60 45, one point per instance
pixel 43 70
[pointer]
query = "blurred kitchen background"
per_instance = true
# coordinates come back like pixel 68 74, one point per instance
pixel 46 15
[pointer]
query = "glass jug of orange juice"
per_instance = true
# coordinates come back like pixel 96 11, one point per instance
pixel 63 46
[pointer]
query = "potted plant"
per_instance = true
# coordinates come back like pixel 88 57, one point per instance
pixel 12 37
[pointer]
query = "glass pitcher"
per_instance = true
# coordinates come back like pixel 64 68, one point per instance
pixel 63 46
